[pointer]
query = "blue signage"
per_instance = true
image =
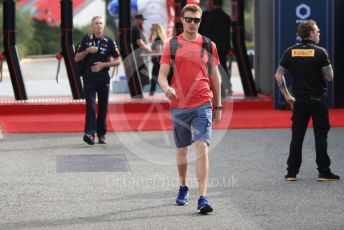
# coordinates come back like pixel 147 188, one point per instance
pixel 288 14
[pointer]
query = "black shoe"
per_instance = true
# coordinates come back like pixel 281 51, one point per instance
pixel 89 139
pixel 290 177
pixel 327 176
pixel 102 140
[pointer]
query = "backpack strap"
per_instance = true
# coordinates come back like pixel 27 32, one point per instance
pixel 208 47
pixel 173 50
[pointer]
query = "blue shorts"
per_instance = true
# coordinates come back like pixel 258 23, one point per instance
pixel 192 124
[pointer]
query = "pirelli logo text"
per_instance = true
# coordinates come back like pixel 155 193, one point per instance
pixel 302 53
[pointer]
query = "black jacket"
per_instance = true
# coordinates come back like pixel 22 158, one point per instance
pixel 216 25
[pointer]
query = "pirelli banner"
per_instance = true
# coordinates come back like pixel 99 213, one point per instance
pixel 287 15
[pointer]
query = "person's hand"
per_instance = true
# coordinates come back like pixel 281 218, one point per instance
pixel 92 50
pixel 148 49
pixel 217 114
pixel 97 66
pixel 290 100
pixel 170 93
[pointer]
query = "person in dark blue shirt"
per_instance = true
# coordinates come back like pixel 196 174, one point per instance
pixel 95 52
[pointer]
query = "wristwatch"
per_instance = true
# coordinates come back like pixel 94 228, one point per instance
pixel 219 107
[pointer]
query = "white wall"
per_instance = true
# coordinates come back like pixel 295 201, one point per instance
pixel 86 13
pixel 155 11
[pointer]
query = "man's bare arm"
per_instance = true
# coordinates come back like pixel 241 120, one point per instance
pixel 163 82
pixel 327 72
pixel 81 55
pixel 143 45
pixel 215 86
pixel 282 85
pixel 98 66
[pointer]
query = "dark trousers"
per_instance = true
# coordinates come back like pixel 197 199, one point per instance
pixel 96 85
pixel 142 71
pixel 304 108
pixel 225 77
pixel 154 80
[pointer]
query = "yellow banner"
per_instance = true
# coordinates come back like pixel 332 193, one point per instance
pixel 302 53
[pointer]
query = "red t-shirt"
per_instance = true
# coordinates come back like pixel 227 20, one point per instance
pixel 190 77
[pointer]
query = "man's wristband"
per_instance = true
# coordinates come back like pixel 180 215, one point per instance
pixel 219 107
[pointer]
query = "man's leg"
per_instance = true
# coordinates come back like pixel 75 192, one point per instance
pixel 201 126
pixel 154 80
pixel 103 101
pixel 182 138
pixel 90 116
pixel 321 127
pixel 202 167
pixel 143 73
pixel 182 165
pixel 300 119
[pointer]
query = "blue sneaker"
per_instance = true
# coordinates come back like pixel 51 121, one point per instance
pixel 182 198
pixel 203 206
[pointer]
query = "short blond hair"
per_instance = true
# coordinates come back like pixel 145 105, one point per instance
pixel 96 17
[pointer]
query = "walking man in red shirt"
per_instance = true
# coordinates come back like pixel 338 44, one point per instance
pixel 195 82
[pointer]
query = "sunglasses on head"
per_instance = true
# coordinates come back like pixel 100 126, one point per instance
pixel 195 20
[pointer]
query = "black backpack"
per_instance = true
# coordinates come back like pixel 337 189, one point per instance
pixel 206 45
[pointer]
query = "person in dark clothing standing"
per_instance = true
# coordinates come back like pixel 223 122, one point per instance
pixel 216 25
pixel 95 51
pixel 139 46
pixel 157 38
pixel 204 26
pixel 310 67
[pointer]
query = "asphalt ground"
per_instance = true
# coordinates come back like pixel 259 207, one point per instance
pixel 55 181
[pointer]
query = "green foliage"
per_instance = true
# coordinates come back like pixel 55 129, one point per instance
pixel 249 20
pixel 25 27
pixel 35 37
pixel 21 50
pixel 47 37
pixel 24 32
pixel 34 47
